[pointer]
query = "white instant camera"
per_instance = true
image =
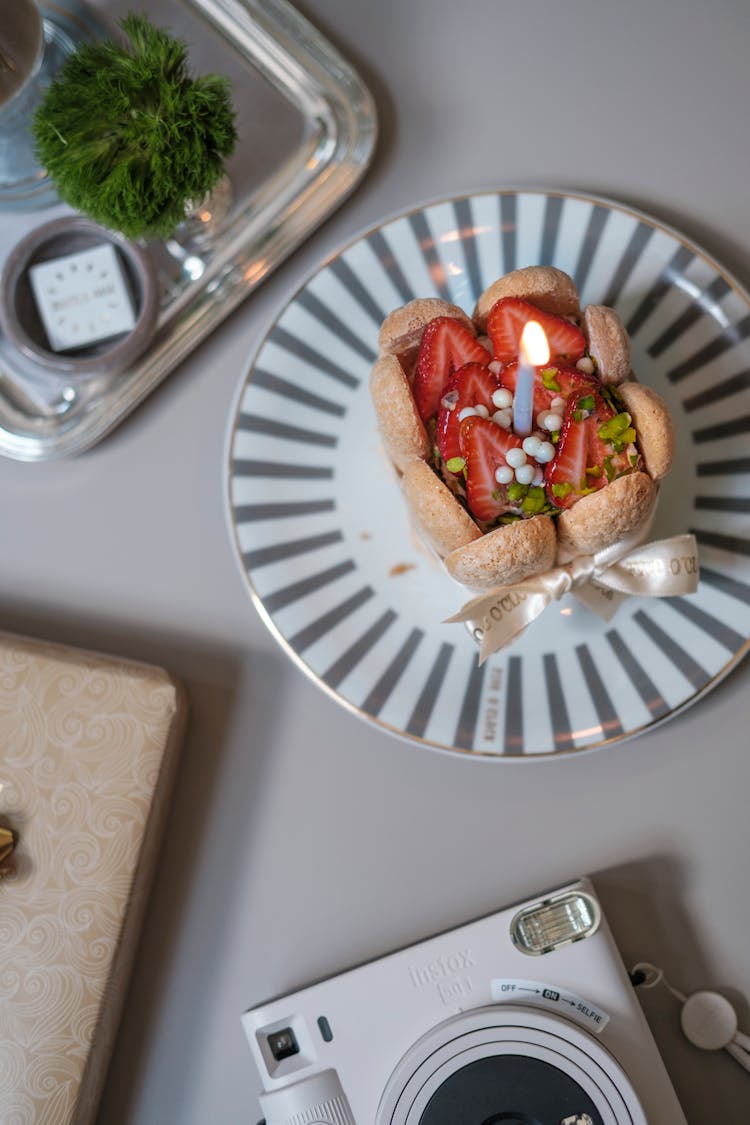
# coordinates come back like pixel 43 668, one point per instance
pixel 525 1017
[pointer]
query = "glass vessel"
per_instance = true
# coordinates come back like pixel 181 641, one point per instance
pixel 34 42
pixel 22 57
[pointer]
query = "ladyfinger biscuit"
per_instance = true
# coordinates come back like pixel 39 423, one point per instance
pixel 608 343
pixel 443 523
pixel 401 429
pixel 605 517
pixel 402 329
pixel 545 287
pixel 654 426
pixel 505 555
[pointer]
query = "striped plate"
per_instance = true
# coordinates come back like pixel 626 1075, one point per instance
pixel 320 529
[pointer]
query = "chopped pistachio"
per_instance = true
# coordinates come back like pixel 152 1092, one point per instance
pixel 455 465
pixel 517 491
pixel 586 403
pixel 618 430
pixel 562 490
pixel 534 501
pixel 549 379
pixel 614 427
pixel 594 471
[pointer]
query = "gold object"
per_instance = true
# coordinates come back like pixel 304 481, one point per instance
pixel 8 841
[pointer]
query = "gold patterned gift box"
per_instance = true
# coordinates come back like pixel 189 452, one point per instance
pixel 88 749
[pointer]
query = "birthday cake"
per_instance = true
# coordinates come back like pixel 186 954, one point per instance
pixel 520 434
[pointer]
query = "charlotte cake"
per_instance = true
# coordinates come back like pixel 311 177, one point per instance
pixel 497 506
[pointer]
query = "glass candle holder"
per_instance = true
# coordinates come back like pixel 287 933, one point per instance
pixel 35 39
pixel 22 49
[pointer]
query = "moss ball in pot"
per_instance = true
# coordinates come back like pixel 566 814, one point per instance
pixel 129 137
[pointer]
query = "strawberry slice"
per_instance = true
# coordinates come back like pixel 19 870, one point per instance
pixel 596 446
pixel 565 476
pixel 554 380
pixel 472 385
pixel 446 345
pixel 506 322
pixel 484 446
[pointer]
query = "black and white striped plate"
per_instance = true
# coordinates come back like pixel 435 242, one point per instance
pixel 320 528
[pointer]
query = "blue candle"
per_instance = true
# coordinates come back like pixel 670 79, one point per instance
pixel 523 400
pixel 533 352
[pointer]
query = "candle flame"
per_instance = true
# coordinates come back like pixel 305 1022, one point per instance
pixel 534 348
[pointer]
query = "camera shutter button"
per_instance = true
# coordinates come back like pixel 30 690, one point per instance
pixel 708 1020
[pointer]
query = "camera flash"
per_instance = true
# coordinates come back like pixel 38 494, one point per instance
pixel 554 922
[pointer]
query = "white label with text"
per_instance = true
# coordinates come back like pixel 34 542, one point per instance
pixel 512 990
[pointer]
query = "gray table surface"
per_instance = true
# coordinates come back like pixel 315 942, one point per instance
pixel 301 840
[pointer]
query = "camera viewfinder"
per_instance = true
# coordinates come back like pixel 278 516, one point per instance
pixel 283 1043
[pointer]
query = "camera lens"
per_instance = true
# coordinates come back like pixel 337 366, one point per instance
pixel 283 1043
pixel 509 1090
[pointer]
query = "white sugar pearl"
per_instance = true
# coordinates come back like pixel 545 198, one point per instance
pixel 545 452
pixel 502 398
pixel 504 474
pixel 552 422
pixel 531 444
pixel 515 457
pixel 557 404
pixel 538 476
pixel 525 474
pixel 481 410
pixel 541 420
pixel 586 365
pixel 495 367
pixel 467 412
pixel 503 418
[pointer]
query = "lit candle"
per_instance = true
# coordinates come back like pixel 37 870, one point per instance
pixel 533 352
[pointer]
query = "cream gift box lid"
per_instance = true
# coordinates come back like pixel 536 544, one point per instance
pixel 87 754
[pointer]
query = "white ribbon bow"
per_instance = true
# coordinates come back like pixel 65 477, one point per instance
pixel 664 568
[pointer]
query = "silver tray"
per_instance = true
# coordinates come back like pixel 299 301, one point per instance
pixel 284 182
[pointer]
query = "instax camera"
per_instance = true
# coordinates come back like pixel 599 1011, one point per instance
pixel 525 1017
